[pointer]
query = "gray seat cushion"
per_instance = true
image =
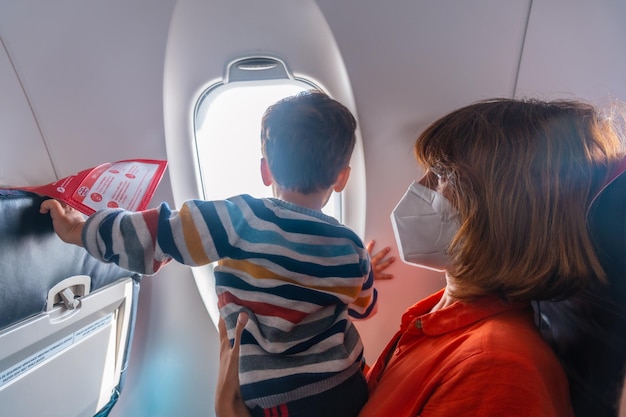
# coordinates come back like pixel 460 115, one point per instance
pixel 33 259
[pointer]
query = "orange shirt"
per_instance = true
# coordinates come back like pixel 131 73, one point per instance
pixel 484 358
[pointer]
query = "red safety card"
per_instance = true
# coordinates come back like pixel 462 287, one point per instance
pixel 127 184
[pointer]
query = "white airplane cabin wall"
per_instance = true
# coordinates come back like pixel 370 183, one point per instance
pixel 19 126
pixel 92 74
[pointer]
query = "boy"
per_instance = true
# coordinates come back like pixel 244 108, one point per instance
pixel 297 272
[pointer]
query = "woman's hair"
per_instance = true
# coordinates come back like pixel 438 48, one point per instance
pixel 307 139
pixel 522 174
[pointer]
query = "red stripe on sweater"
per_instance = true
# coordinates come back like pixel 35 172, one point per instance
pixel 263 309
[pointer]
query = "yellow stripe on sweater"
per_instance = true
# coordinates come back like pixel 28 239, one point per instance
pixel 259 272
pixel 192 237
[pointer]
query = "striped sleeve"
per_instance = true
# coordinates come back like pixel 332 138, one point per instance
pixel 145 241
pixel 366 305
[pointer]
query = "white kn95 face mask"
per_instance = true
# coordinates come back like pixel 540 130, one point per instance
pixel 424 223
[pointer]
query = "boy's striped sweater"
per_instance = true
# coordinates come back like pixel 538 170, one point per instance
pixel 298 272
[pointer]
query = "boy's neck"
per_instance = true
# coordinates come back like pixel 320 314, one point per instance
pixel 314 201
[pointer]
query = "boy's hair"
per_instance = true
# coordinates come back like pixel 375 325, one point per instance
pixel 522 174
pixel 307 139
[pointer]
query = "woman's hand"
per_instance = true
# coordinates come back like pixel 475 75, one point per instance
pixel 379 261
pixel 228 400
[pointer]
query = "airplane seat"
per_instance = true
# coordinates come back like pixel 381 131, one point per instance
pixel 588 331
pixel 66 319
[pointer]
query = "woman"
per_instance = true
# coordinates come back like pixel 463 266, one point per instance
pixel 501 209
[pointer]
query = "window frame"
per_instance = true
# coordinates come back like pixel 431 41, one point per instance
pixel 255 71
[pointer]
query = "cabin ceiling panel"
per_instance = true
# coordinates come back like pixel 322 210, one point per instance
pixel 575 49
pixel 93 72
pixel 426 57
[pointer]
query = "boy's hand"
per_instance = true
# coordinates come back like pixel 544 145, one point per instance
pixel 379 261
pixel 67 222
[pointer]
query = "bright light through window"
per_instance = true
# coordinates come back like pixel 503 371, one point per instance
pixel 228 130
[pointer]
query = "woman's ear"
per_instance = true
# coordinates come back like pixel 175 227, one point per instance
pixel 266 174
pixel 342 180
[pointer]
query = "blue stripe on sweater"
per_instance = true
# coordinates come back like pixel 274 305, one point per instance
pixel 289 291
pixel 261 211
pixel 338 327
pixel 357 315
pixel 247 233
pixel 105 230
pixel 133 247
pixel 309 268
pixel 280 385
pixel 284 384
pixel 340 352
pixel 301 227
pixel 370 281
pixel 216 228
pixel 165 235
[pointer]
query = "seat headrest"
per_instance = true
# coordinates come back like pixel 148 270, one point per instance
pixel 588 331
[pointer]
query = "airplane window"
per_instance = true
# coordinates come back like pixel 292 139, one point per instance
pixel 227 128
pixel 227 125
